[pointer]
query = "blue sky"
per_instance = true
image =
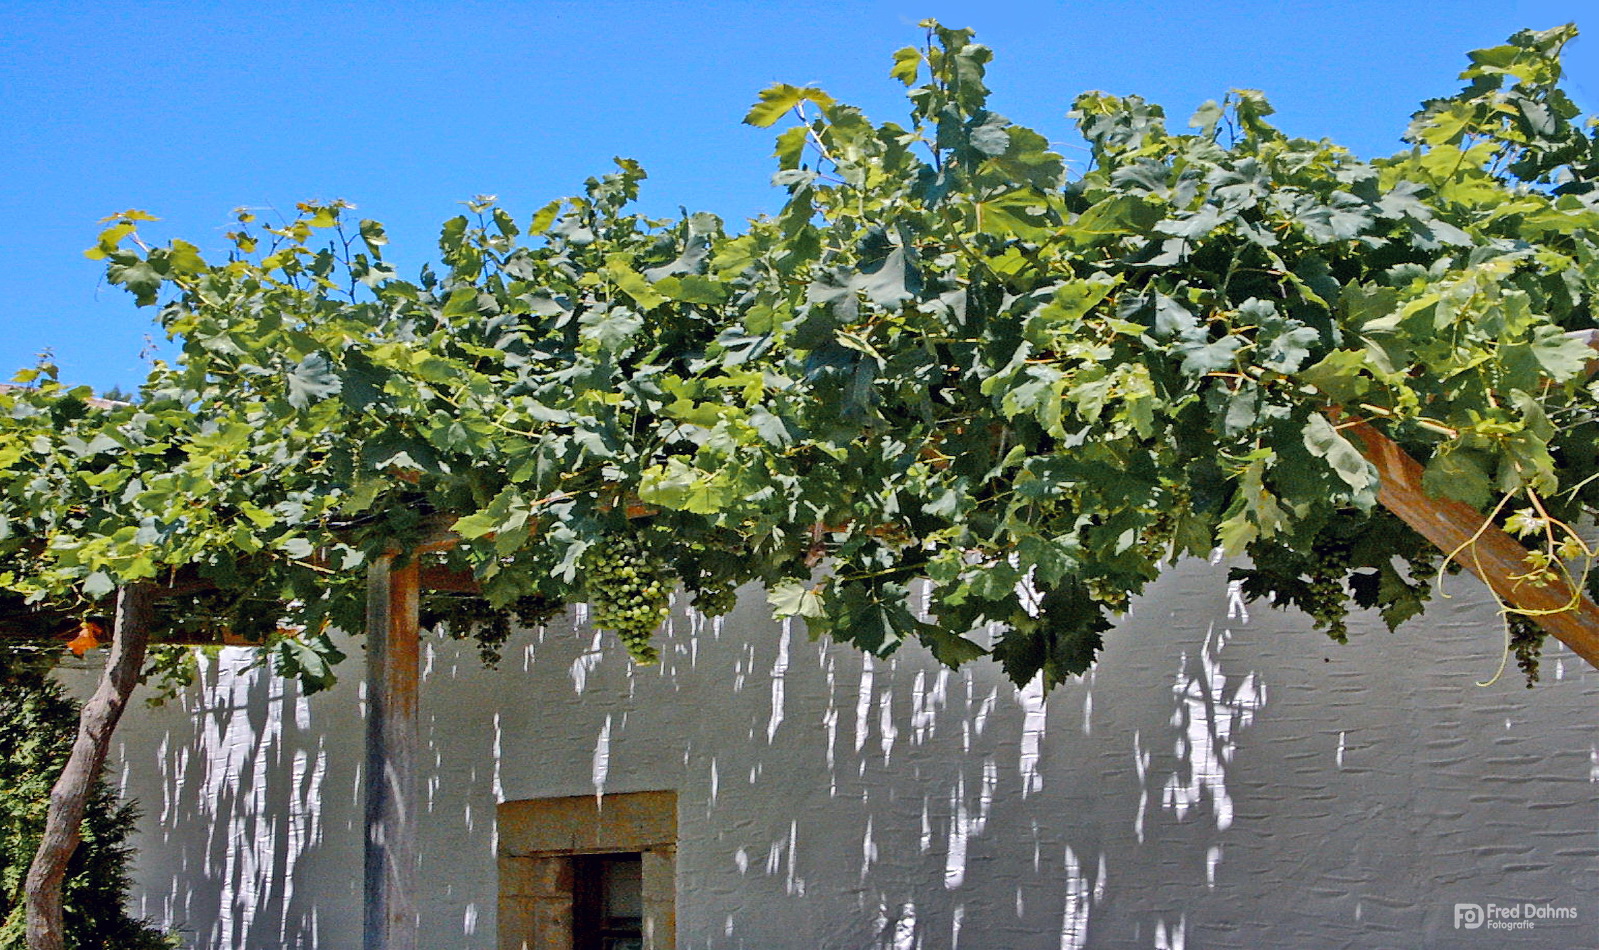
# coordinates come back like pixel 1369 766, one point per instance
pixel 189 110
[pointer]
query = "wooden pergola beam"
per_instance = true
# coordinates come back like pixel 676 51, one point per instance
pixel 1480 546
pixel 449 579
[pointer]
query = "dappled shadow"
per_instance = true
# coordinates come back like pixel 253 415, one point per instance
pixel 1220 780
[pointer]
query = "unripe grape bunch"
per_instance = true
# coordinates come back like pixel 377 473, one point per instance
pixel 629 593
pixel 1327 602
pixel 715 600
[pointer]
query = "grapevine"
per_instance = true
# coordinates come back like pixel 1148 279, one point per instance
pixel 951 357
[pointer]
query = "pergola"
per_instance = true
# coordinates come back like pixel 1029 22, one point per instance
pixel 396 580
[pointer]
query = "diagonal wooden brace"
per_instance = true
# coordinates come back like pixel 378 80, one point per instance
pixel 1484 550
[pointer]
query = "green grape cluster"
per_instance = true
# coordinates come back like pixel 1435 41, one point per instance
pixel 630 594
pixel 715 600
pixel 1106 591
pixel 465 615
pixel 1326 600
pixel 1526 641
pixel 1424 568
pixel 1155 540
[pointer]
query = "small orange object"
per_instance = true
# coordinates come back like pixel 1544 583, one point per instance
pixel 87 639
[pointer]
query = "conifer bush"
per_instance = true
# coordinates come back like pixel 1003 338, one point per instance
pixel 38 722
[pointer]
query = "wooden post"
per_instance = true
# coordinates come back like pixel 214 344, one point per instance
pixel 1484 550
pixel 393 669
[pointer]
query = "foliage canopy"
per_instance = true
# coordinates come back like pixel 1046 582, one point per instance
pixel 947 357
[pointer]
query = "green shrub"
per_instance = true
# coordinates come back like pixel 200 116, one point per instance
pixel 37 726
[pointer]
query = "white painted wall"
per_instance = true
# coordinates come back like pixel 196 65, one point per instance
pixel 1222 780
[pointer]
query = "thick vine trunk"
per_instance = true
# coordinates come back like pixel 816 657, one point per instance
pixel 70 796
